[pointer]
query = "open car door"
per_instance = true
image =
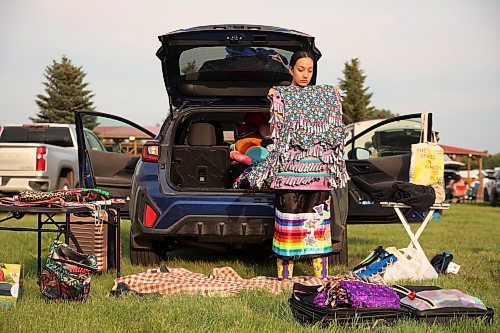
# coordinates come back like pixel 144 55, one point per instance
pixel 109 151
pixel 376 158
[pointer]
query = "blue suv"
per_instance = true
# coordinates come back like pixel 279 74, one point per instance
pixel 179 180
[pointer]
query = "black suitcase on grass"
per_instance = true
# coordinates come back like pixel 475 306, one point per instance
pixel 304 310
pixel 443 315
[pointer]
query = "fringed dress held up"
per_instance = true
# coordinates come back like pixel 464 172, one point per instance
pixel 304 165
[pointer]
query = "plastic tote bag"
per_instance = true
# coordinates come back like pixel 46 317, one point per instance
pixel 411 265
pixel 427 162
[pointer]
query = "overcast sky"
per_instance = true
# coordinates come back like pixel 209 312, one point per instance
pixel 419 56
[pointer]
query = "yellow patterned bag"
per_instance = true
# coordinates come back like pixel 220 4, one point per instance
pixel 427 162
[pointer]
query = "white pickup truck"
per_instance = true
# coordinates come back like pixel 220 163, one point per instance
pixel 40 156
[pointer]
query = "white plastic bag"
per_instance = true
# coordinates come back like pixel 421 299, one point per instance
pixel 411 264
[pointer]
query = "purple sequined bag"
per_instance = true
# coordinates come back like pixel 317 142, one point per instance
pixel 364 295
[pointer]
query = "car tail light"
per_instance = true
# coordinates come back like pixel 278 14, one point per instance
pixel 41 164
pixel 151 151
pixel 149 216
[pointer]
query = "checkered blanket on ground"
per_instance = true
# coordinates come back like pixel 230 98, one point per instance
pixel 221 281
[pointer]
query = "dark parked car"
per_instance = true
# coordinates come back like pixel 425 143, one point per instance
pixel 493 195
pixel 180 188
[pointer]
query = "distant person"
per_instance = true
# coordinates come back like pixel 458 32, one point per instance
pixel 460 189
pixel 472 190
pixel 450 188
pixel 117 147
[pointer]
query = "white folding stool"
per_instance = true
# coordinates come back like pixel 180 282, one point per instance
pixel 414 237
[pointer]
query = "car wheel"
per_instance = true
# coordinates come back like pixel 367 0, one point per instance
pixel 62 182
pixel 143 256
pixel 486 197
pixel 494 199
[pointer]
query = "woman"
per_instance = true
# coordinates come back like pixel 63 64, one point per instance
pixel 311 168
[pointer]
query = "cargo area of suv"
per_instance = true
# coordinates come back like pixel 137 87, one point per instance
pixel 201 150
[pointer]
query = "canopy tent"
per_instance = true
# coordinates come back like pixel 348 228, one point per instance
pixel 455 153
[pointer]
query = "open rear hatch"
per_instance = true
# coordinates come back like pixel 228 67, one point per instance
pixel 209 63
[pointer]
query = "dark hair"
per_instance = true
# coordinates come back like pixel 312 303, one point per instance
pixel 299 55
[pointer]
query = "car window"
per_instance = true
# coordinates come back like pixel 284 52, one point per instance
pixel 262 61
pixel 393 138
pixel 57 136
pixel 115 136
pixel 92 142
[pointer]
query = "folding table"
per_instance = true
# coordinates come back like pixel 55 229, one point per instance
pixel 49 216
pixel 414 236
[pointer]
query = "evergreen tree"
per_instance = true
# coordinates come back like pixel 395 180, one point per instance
pixel 65 93
pixel 380 114
pixel 356 103
pixel 491 161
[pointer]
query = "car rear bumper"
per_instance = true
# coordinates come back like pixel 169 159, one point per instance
pixel 218 228
pixel 17 184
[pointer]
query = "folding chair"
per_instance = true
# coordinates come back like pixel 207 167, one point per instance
pixel 471 193
pixel 414 236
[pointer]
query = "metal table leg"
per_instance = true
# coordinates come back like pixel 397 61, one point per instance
pixel 39 247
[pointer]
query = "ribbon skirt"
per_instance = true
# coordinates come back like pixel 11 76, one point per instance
pixel 302 224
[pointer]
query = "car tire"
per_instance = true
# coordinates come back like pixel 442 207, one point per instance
pixel 494 199
pixel 143 256
pixel 63 181
pixel 486 197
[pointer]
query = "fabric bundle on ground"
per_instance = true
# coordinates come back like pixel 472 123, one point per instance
pixel 308 134
pixel 221 281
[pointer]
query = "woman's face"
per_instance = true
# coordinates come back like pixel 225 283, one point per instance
pixel 302 72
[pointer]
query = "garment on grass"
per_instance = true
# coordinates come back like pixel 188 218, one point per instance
pixel 308 133
pixel 221 281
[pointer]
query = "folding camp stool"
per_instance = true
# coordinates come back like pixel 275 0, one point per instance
pixel 414 237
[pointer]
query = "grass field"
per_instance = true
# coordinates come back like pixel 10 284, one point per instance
pixel 470 231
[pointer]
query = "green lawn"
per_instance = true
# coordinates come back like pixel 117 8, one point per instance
pixel 469 231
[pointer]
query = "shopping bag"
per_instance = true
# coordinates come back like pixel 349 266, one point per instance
pixel 411 264
pixel 427 162
pixel 66 274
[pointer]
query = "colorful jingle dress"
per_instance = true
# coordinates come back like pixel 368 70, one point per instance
pixel 304 165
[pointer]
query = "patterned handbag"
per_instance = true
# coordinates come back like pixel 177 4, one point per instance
pixel 66 274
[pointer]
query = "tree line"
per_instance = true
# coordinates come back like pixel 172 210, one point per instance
pixel 66 92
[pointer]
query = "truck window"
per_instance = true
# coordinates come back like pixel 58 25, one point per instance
pixel 57 136
pixel 92 141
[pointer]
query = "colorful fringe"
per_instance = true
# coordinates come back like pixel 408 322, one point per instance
pixel 302 234
pixel 308 134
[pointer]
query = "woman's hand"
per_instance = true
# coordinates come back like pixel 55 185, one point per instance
pixel 271 92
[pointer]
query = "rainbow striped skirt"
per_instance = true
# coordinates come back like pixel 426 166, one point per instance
pixel 302 234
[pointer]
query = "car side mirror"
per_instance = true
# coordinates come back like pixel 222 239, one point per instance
pixel 362 153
